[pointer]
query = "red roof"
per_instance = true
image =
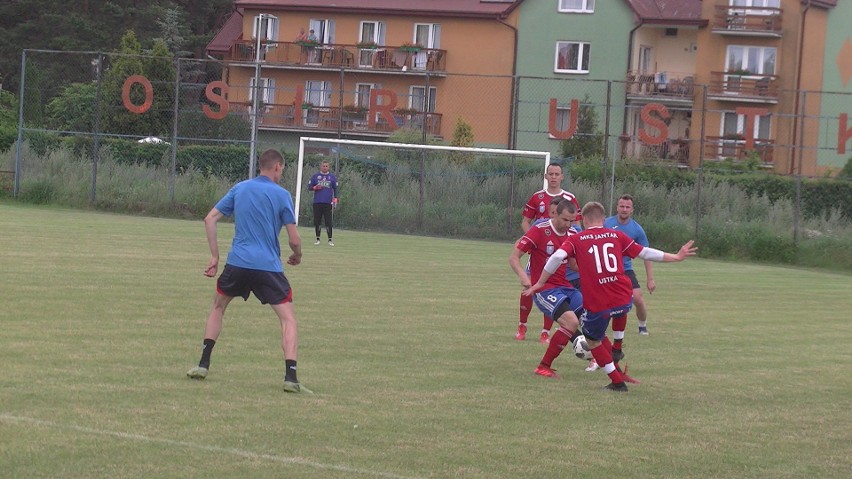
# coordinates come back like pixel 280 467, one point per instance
pixel 452 8
pixel 230 31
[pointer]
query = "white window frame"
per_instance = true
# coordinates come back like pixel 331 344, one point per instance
pixel 747 52
pixel 360 99
pixel 267 88
pixel 418 92
pixel 585 52
pixel 758 122
pixel 271 33
pixel 586 6
pixel 324 30
pixel 366 56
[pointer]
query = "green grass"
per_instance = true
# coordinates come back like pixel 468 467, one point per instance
pixel 745 374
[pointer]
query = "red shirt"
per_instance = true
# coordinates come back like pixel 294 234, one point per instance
pixel 599 252
pixel 538 205
pixel 540 241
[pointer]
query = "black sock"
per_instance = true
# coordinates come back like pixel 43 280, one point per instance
pixel 290 370
pixel 205 353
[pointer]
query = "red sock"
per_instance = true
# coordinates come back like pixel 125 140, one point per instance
pixel 557 343
pixel 548 323
pixel 603 357
pixel 526 307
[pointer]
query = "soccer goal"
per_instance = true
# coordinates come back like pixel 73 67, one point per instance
pixel 424 189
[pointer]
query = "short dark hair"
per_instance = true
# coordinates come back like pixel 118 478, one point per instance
pixel 269 158
pixel 566 204
pixel 559 165
pixel 627 197
pixel 556 200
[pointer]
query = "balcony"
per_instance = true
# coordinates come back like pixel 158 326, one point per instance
pixel 743 87
pixel 368 57
pixel 747 21
pixel 662 87
pixel 332 119
pixel 734 146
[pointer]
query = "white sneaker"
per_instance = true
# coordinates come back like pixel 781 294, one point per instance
pixel 330 243
pixel 317 242
pixel 593 366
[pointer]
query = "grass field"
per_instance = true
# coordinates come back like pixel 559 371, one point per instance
pixel 408 345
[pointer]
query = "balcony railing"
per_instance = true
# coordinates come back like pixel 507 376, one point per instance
pixel 743 86
pixel 366 57
pixel 720 148
pixel 661 84
pixel 329 118
pixel 747 21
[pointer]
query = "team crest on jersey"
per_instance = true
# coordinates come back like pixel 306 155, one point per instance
pixel 550 248
pixel 546 232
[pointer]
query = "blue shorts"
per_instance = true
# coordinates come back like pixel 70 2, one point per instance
pixel 595 325
pixel 554 299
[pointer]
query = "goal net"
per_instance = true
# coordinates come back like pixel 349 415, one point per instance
pixel 423 189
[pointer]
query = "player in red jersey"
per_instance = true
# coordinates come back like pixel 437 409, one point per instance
pixel 607 291
pixel 536 208
pixel 559 299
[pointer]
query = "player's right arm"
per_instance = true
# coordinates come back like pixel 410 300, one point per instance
pixel 526 224
pixel 515 263
pixel 210 229
pixel 550 267
pixel 295 242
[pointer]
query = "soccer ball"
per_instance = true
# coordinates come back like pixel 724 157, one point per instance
pixel 581 348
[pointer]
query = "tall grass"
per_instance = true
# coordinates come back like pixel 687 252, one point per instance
pixel 438 197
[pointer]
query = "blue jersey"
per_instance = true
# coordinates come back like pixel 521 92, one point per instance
pixel 633 230
pixel 260 208
pixel 329 187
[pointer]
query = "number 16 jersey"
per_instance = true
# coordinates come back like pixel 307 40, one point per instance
pixel 599 252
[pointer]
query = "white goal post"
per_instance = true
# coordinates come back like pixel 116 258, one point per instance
pixel 408 146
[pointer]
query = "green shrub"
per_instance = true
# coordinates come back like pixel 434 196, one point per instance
pixel 40 192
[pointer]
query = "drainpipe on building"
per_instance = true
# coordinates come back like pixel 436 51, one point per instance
pixel 630 38
pixel 796 105
pixel 513 98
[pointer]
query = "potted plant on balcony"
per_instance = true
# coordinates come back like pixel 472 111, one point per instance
pixel 307 105
pixel 354 112
pixel 307 43
pixel 411 47
pixel 367 45
pixel 739 72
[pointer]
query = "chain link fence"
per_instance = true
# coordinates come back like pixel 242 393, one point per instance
pixel 693 161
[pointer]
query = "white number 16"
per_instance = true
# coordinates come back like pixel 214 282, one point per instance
pixel 610 262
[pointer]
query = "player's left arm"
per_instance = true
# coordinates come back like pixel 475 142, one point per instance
pixel 651 254
pixel 210 229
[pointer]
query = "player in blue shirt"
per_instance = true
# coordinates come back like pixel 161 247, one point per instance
pixel 324 185
pixel 260 207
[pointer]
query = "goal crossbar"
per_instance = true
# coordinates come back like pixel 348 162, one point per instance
pixel 410 146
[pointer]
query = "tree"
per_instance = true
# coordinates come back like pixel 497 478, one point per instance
pixel 587 140
pixel 462 136
pixel 117 119
pixel 74 108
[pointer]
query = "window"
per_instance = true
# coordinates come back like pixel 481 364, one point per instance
pixel 754 60
pixel 563 116
pixel 418 100
pixel 362 94
pixel 429 36
pixel 267 25
pixel 323 29
pixel 572 57
pixel 371 33
pixel 317 94
pixel 733 125
pixel 266 88
pixel 577 6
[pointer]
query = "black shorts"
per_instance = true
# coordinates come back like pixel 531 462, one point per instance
pixel 630 274
pixel 268 287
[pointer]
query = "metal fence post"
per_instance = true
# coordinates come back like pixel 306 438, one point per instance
pixel 173 149
pixel 20 143
pixel 97 144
